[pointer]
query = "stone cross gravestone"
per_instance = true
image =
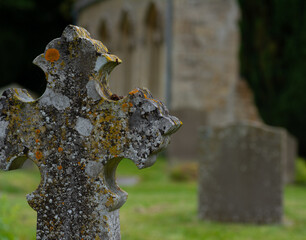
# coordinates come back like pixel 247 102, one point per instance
pixel 241 173
pixel 76 133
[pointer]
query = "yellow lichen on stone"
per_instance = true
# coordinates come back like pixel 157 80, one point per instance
pixel 82 33
pixel 62 64
pixel 133 92
pixel 112 138
pixel 99 46
pixel 113 150
pixel 110 201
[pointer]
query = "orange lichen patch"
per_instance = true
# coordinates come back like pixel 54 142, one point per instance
pixel 37 131
pixel 133 92
pixel 59 167
pixel 60 149
pixel 124 106
pixel 130 104
pixel 79 163
pixel 38 155
pixel 37 140
pixel 52 55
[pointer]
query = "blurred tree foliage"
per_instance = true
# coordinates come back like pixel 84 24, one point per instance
pixel 273 61
pixel 26 27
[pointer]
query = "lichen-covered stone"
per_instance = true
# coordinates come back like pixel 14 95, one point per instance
pixel 77 135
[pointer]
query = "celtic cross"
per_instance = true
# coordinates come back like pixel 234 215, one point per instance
pixel 77 132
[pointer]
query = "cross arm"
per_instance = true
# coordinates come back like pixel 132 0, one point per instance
pixel 13 150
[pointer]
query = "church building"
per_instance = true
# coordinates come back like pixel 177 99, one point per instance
pixel 184 51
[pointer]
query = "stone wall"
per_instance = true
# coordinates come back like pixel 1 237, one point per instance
pixel 205 89
pixel 203 56
pixel 123 26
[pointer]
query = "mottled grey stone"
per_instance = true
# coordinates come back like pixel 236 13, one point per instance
pixel 241 173
pixel 77 132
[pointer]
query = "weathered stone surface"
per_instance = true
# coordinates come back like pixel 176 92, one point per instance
pixel 76 133
pixel 241 173
pixel 28 164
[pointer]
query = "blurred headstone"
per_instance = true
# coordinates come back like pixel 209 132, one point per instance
pixel 291 157
pixel 241 173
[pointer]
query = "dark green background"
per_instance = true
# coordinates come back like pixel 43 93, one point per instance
pixel 273 61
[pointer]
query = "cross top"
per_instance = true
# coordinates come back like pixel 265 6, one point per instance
pixel 77 134
pixel 72 60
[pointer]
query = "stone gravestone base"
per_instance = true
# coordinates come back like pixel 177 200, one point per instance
pixel 241 174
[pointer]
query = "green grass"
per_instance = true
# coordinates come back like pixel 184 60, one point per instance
pixel 157 208
pixel 16 215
